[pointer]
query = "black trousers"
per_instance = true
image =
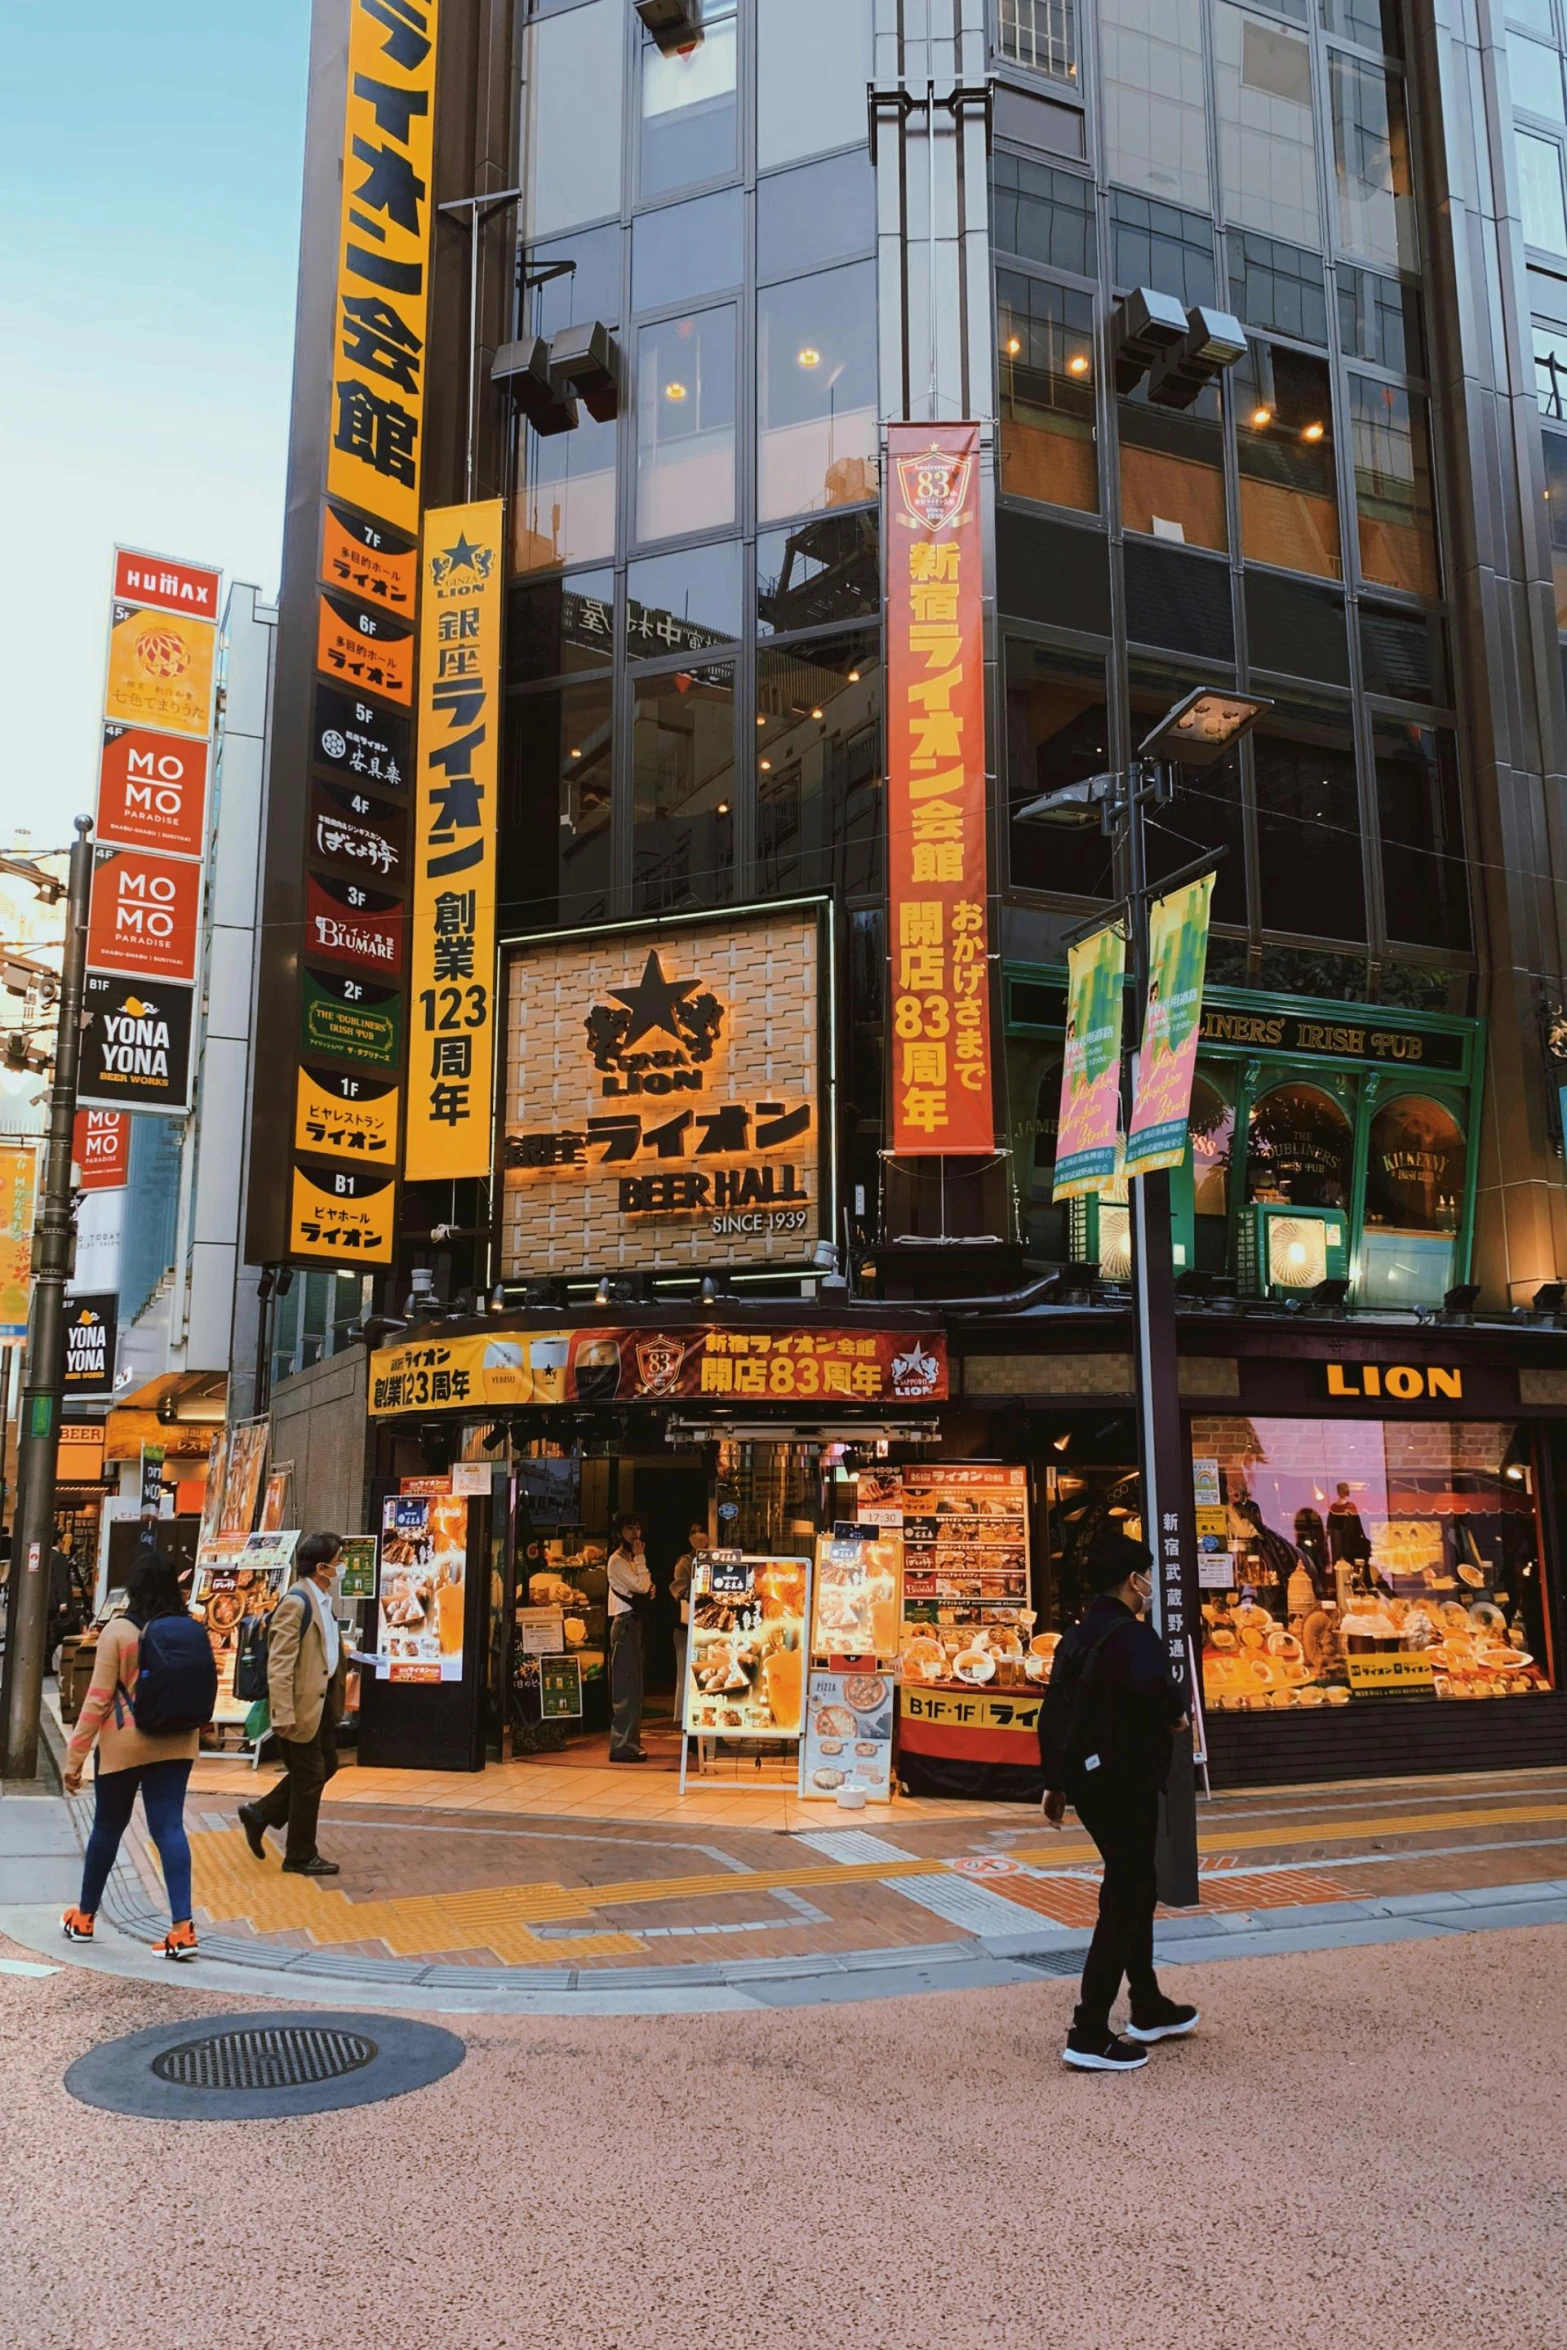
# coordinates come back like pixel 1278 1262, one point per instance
pixel 1124 1823
pixel 295 1800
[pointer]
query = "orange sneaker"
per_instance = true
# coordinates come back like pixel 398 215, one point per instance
pixel 179 1942
pixel 77 1925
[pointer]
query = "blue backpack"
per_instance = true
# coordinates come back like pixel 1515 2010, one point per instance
pixel 176 1677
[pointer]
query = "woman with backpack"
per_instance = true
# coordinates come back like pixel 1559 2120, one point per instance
pixel 154 1685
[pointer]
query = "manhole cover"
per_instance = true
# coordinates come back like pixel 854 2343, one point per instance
pixel 264 2060
pixel 257 2068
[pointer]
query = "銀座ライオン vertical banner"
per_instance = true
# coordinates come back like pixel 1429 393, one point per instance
pixel 1167 1059
pixel 1090 1124
pixel 938 940
pixel 383 267
pixel 451 1029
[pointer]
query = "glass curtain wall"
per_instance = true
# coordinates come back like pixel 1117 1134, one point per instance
pixel 1280 530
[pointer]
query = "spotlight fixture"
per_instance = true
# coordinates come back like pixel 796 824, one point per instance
pixel 1458 1305
pixel 1328 1296
pixel 601 1295
pixel 1549 1297
pixel 1060 1443
pixel 674 25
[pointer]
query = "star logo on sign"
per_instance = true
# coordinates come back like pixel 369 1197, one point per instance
pixel 462 557
pixel 652 1002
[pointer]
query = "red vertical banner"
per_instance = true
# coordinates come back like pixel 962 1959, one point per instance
pixel 938 928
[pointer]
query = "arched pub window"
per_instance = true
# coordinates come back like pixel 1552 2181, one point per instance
pixel 1416 1168
pixel 1300 1149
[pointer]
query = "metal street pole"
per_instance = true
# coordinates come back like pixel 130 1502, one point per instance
pixel 1169 1525
pixel 38 1418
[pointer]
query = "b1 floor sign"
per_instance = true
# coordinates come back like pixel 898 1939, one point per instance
pixel 135 1044
pixel 89 1344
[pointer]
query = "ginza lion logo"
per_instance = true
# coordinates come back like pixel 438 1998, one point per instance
pixel 679 1008
pixel 464 556
pixel 934 487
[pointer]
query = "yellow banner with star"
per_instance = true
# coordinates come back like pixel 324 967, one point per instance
pixel 451 1029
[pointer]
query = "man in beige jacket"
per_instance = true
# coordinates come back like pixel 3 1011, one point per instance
pixel 307 1671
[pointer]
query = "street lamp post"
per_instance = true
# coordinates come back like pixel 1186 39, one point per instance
pixel 38 1421
pixel 1198 732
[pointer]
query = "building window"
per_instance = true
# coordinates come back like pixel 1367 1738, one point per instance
pixel 1049 448
pixel 1540 192
pixel 1536 76
pixel 1213 1141
pixel 1425 888
pixel 819 766
pixel 556 839
pixel 1043 214
pixel 1156 125
pixel 1416 1172
pixel 1379 319
pixel 1277 289
pixel 588 289
pixel 1041 34
pixel 573 67
pixel 1284 443
pixel 1299 1149
pixel 685 251
pixel 816 392
pixel 1308 822
pixel 1159 245
pixel 1057 724
pixel 816 214
pixel 814 59
pixel 564 510
pixel 817 573
pixel 1172 470
pixel 684 603
pixel 555 626
pixel 683 772
pixel 685 424
pixel 1373 23
pixel 1550 372
pixel 1376 212
pixel 1267 138
pixel 1395 522
pixel 689 114
pixel 1554 447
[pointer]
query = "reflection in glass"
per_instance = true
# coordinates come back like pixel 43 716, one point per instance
pixel 1379 319
pixel 1540 192
pixel 1554 445
pixel 1159 245
pixel 564 509
pixel 588 288
pixel 683 603
pixel 1299 1149
pixel 1267 138
pixel 1374 23
pixel 1271 285
pixel 1415 1171
pixel 1034 1096
pixel 688 106
pixel 1536 76
pixel 683 772
pixel 570 142
pixel 1041 34
pixel 818 572
pixel 816 392
pixel 1172 469
pixel 686 250
pixel 1550 371
pixel 1308 821
pixel 1213 1137
pixel 819 767
pixel 1043 214
pixel 686 424
pixel 1045 338
pixel 1156 129
pixel 819 213
pixel 813 61
pixel 1284 440
pixel 556 835
pixel 1425 885
pixel 554 626
pixel 1393 504
pixel 1056 734
pixel 1376 211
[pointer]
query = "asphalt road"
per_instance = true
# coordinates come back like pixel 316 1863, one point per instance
pixel 1362 2147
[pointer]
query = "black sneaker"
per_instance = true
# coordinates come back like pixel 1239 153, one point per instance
pixel 314 1867
pixel 1095 2052
pixel 1165 2019
pixel 255 1831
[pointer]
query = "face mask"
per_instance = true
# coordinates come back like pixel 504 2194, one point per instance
pixel 1142 1589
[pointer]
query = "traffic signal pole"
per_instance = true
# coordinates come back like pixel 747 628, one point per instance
pixel 38 1419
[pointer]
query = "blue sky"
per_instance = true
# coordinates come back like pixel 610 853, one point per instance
pixel 150 165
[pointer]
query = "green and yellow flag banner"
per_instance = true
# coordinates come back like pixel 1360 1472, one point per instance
pixel 1167 1062
pixel 1091 1071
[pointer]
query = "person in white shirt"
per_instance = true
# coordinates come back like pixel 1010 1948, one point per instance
pixel 630 1591
pixel 306 1678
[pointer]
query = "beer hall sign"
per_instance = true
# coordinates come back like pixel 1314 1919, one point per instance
pixel 663 1097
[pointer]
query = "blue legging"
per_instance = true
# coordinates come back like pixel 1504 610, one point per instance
pixel 162 1787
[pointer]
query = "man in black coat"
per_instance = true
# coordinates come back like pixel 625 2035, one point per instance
pixel 1105 1732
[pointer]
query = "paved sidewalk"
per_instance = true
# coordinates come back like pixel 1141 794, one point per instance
pixel 450 1898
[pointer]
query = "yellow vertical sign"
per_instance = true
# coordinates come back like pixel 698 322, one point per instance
pixel 451 1029
pixel 18 1202
pixel 383 265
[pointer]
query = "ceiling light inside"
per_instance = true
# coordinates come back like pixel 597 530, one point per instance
pixel 809 357
pixel 674 391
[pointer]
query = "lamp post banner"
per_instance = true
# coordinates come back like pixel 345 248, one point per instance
pixel 938 933
pixel 1162 1092
pixel 1090 1125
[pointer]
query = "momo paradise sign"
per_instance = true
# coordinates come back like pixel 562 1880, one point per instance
pixel 663 1097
